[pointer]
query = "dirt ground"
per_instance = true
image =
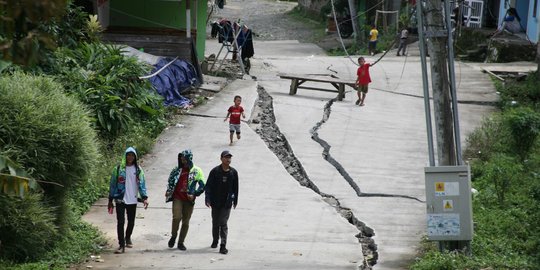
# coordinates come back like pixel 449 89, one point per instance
pixel 268 19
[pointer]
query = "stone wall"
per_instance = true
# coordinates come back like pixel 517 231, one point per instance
pixel 502 50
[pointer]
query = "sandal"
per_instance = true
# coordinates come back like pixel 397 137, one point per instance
pixel 120 250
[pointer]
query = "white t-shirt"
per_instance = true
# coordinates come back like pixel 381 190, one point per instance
pixel 130 196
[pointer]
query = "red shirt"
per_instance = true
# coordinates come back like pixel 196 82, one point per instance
pixel 363 74
pixel 235 112
pixel 180 191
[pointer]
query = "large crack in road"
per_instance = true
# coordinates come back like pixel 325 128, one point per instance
pixel 328 157
pixel 263 123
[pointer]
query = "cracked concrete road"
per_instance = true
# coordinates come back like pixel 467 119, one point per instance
pixel 381 146
pixel 280 224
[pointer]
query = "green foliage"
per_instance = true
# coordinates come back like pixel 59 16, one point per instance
pixel 21 39
pixel 48 133
pixel 506 172
pixel 526 93
pixel 490 138
pixel 74 246
pixel 107 82
pixel 82 197
pixel 70 29
pixel 340 6
pixel 80 240
pixel 524 125
pixel 27 227
pixel 467 39
pixel 434 260
pixel 514 132
pixel 499 173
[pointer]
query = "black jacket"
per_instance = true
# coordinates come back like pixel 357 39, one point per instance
pixel 221 188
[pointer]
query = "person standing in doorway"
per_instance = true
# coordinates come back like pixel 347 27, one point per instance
pixel 221 194
pixel 362 81
pixel 373 35
pixel 186 182
pixel 233 114
pixel 127 181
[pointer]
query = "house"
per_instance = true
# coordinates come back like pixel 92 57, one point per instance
pixel 528 11
pixel 160 27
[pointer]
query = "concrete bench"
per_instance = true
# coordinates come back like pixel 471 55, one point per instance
pixel 298 79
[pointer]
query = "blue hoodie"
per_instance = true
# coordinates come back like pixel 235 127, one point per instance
pixel 117 185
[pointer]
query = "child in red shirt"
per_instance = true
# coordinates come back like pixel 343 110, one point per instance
pixel 234 114
pixel 362 81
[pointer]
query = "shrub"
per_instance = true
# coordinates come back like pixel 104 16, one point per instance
pixel 525 93
pixel 524 125
pixel 492 137
pixel 48 133
pixel 500 172
pixel 107 82
pixel 70 29
pixel 27 227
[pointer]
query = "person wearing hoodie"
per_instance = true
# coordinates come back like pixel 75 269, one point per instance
pixel 127 182
pixel 186 182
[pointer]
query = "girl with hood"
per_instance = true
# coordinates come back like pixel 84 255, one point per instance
pixel 127 182
pixel 185 183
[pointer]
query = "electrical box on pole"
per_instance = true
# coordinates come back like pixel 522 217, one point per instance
pixel 449 203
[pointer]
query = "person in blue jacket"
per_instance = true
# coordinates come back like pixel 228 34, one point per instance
pixel 126 184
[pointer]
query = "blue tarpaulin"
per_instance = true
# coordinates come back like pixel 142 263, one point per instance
pixel 175 79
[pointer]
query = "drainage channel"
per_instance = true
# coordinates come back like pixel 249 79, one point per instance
pixel 263 123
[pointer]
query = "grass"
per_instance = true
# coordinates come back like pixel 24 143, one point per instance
pixel 505 161
pixel 317 25
pixel 80 241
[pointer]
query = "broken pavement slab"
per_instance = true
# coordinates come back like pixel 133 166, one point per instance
pixel 213 84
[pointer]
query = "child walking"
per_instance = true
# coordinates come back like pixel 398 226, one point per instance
pixel 234 114
pixel 362 81
pixel 372 45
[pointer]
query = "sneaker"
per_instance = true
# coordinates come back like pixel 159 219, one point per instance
pixel 223 250
pixel 357 102
pixel 120 250
pixel 214 244
pixel 171 241
pixel 129 244
pixel 181 246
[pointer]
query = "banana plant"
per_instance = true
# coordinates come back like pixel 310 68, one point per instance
pixel 14 179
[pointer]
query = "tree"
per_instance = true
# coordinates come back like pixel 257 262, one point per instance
pixel 538 58
pixel 359 36
pixel 21 38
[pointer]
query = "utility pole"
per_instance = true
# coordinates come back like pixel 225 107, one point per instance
pixel 437 43
pixel 438 32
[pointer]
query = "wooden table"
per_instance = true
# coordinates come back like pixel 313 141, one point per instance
pixel 298 79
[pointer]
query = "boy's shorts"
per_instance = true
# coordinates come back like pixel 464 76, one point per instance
pixel 362 88
pixel 234 128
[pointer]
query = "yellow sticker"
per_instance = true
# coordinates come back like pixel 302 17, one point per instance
pixel 448 205
pixel 439 186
